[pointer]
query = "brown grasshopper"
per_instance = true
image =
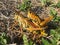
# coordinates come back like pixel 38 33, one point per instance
pixel 36 20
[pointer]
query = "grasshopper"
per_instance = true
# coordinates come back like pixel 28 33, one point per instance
pixel 32 22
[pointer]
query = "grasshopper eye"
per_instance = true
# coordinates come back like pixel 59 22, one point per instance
pixel 30 11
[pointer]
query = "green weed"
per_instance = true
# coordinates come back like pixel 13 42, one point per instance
pixel 25 5
pixel 3 40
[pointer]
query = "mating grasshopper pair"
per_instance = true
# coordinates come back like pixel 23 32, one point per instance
pixel 32 22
